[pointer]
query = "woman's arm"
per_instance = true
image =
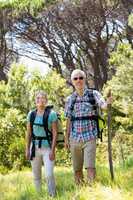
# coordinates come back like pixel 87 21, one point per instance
pixel 28 140
pixel 54 137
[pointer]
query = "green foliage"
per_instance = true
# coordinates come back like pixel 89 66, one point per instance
pixel 63 157
pixel 17 88
pixel 11 130
pixel 27 5
pixel 16 153
pixel 130 20
pixel 21 6
pixel 122 87
pixel 2 96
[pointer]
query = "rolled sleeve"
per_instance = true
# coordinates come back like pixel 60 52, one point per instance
pixel 53 117
pixel 99 99
pixel 28 116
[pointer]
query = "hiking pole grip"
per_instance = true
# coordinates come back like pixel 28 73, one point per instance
pixel 109 94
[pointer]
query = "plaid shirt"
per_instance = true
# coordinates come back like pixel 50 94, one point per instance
pixel 83 130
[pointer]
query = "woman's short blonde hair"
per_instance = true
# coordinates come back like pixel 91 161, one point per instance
pixel 42 93
pixel 77 72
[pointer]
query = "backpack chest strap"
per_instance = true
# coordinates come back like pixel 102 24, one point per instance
pixel 37 124
pixel 39 138
pixel 93 117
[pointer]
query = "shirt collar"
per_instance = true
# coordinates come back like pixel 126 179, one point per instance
pixel 84 92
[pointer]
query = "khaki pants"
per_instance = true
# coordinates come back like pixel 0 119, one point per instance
pixel 83 153
pixel 42 154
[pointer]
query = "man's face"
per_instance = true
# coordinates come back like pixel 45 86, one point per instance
pixel 78 81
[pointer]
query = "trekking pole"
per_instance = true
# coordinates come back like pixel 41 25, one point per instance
pixel 110 138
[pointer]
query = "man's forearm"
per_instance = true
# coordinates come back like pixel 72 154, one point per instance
pixel 68 126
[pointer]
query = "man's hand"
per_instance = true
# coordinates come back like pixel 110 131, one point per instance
pixel 109 97
pixel 109 100
pixel 66 144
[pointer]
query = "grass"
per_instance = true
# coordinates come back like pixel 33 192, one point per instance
pixel 19 186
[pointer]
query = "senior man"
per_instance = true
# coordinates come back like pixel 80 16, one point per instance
pixel 81 126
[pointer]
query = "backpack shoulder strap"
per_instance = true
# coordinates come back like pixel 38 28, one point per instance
pixel 74 97
pixel 33 116
pixel 46 115
pixel 91 96
pixel 45 123
pixel 32 119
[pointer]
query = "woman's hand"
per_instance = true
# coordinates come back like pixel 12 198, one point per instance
pixel 52 155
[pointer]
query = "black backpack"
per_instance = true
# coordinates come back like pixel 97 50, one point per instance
pixel 97 117
pixel 48 137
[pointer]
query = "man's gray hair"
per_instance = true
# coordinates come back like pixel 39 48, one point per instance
pixel 77 72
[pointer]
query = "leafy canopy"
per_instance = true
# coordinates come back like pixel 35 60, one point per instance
pixel 122 85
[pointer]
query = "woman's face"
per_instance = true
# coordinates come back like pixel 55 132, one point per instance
pixel 78 82
pixel 40 100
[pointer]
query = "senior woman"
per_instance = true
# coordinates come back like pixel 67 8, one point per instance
pixel 43 151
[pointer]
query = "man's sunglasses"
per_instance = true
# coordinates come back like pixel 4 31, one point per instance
pixel 78 78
